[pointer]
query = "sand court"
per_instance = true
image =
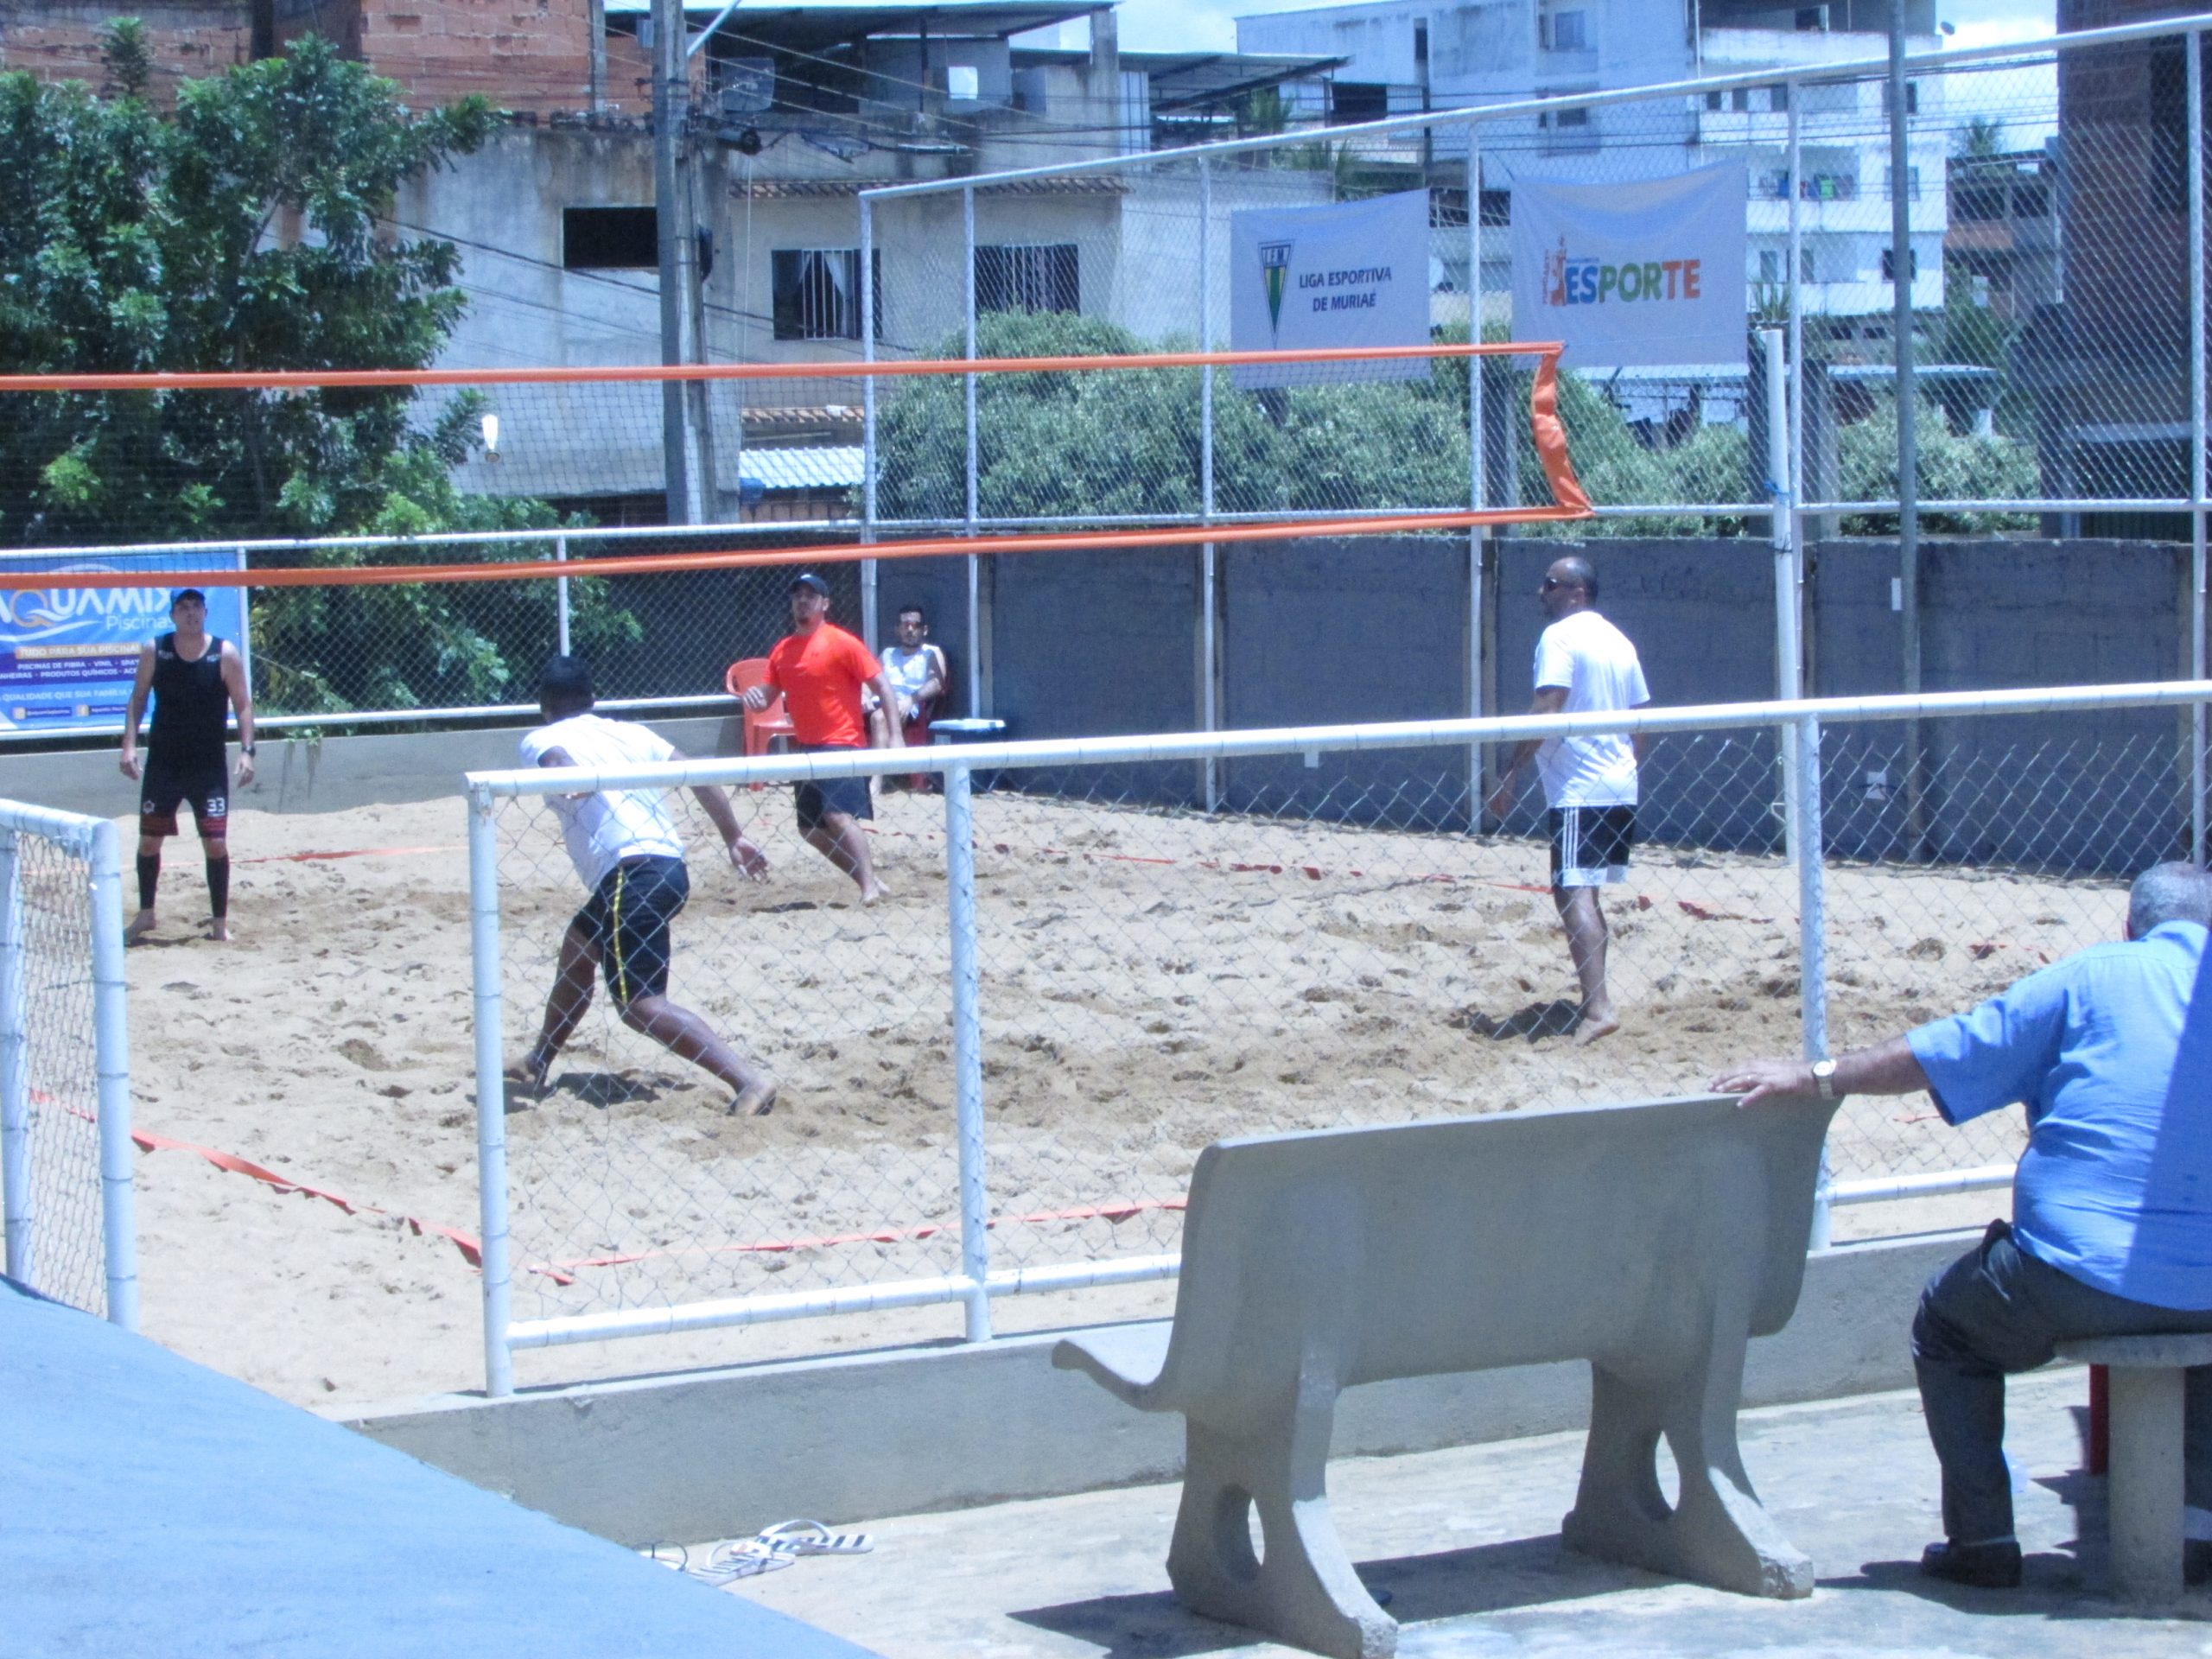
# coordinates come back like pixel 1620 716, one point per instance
pixel 1150 982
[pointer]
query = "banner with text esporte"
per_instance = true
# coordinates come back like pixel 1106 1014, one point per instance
pixel 68 654
pixel 1646 272
pixel 1355 273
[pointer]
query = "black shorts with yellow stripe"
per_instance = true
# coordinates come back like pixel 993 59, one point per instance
pixel 627 921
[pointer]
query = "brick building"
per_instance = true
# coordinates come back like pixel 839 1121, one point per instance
pixel 534 56
pixel 2111 362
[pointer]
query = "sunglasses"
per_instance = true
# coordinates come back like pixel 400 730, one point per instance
pixel 1550 582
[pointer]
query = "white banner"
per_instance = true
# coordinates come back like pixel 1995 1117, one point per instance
pixel 1355 273
pixel 1647 272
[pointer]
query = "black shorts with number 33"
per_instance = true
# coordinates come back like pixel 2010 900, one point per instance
pixel 627 921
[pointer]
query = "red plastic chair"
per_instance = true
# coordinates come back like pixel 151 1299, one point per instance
pixel 764 728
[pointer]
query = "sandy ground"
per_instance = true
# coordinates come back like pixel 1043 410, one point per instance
pixel 1149 983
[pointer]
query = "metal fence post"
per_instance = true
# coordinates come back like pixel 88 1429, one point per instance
pixel 561 595
pixel 1209 572
pixel 1908 417
pixel 868 408
pixel 111 1056
pixel 15 1070
pixel 2194 41
pixel 490 1091
pixel 1788 683
pixel 1813 938
pixel 1477 478
pixel 968 1048
pixel 974 494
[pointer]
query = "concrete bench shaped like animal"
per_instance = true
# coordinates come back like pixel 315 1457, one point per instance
pixel 1652 1240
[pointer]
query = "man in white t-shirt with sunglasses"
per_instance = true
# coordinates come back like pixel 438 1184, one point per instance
pixel 1584 663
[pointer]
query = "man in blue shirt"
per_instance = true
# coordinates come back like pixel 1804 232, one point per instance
pixel 2110 1052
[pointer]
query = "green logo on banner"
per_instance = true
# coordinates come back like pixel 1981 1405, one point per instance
pixel 1274 264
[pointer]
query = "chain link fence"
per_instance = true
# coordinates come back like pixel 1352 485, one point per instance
pixel 2053 237
pixel 1335 948
pixel 65 1153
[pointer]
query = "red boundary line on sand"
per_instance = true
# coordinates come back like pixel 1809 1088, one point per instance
pixel 471 1251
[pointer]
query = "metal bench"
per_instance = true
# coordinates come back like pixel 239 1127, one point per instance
pixel 1651 1240
pixel 2143 1491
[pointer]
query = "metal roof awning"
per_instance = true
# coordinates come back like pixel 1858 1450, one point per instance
pixel 815 467
pixel 1183 80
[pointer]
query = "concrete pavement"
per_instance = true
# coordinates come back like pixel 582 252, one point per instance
pixel 1466 1543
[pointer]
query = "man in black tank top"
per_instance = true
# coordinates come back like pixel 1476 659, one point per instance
pixel 196 680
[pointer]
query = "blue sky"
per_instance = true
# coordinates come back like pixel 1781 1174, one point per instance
pixel 1208 25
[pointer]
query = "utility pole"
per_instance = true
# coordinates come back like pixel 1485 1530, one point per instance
pixel 1908 438
pixel 671 99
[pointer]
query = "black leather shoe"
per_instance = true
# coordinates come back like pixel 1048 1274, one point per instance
pixel 2196 1561
pixel 1987 1567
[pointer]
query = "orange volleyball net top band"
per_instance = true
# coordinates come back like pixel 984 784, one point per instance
pixel 1547 431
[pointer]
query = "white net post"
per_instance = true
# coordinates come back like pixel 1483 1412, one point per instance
pixel 15 1070
pixel 491 1090
pixel 111 1058
pixel 65 1063
pixel 968 1048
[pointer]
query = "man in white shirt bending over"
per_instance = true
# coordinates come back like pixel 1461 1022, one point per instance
pixel 1583 664
pixel 629 857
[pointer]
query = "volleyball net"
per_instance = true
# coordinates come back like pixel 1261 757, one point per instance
pixel 421 540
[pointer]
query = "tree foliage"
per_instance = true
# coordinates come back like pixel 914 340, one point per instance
pixel 1949 466
pixel 243 232
pixel 1092 443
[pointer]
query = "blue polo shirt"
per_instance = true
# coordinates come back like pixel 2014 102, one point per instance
pixel 2110 1052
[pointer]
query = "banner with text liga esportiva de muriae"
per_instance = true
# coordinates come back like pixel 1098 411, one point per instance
pixel 68 654
pixel 1355 273
pixel 1650 271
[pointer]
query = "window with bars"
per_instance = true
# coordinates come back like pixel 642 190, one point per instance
pixel 1027 277
pixel 816 292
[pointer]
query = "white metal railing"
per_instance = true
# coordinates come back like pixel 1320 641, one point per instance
pixel 1799 723
pixel 61 932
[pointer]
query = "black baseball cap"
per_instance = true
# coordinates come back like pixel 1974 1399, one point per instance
pixel 183 594
pixel 810 581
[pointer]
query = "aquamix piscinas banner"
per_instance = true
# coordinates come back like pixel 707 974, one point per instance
pixel 67 654
pixel 1355 273
pixel 1646 272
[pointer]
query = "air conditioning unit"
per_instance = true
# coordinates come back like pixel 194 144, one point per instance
pixel 748 85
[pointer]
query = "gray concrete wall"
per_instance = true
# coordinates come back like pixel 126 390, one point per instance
pixel 1339 632
pixel 2084 793
pixel 1085 647
pixel 851 1437
pixel 1377 629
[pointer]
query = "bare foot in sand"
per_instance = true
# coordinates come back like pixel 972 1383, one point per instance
pixel 757 1102
pixel 875 894
pixel 218 929
pixel 1595 1024
pixel 141 925
pixel 530 1072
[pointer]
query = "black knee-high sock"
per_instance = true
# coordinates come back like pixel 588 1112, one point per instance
pixel 219 887
pixel 150 877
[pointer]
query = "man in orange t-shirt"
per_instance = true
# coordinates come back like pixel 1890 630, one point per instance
pixel 820 668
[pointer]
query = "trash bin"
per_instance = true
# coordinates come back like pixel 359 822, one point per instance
pixel 975 730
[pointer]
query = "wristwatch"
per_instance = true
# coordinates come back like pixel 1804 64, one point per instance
pixel 1824 1078
pixel 245 749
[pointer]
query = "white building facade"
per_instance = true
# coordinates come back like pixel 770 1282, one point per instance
pixel 1407 55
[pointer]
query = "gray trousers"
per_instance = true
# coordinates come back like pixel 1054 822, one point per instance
pixel 1997 1311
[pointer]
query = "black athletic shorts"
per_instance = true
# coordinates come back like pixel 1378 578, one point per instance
pixel 1590 844
pixel 164 788
pixel 626 920
pixel 815 801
